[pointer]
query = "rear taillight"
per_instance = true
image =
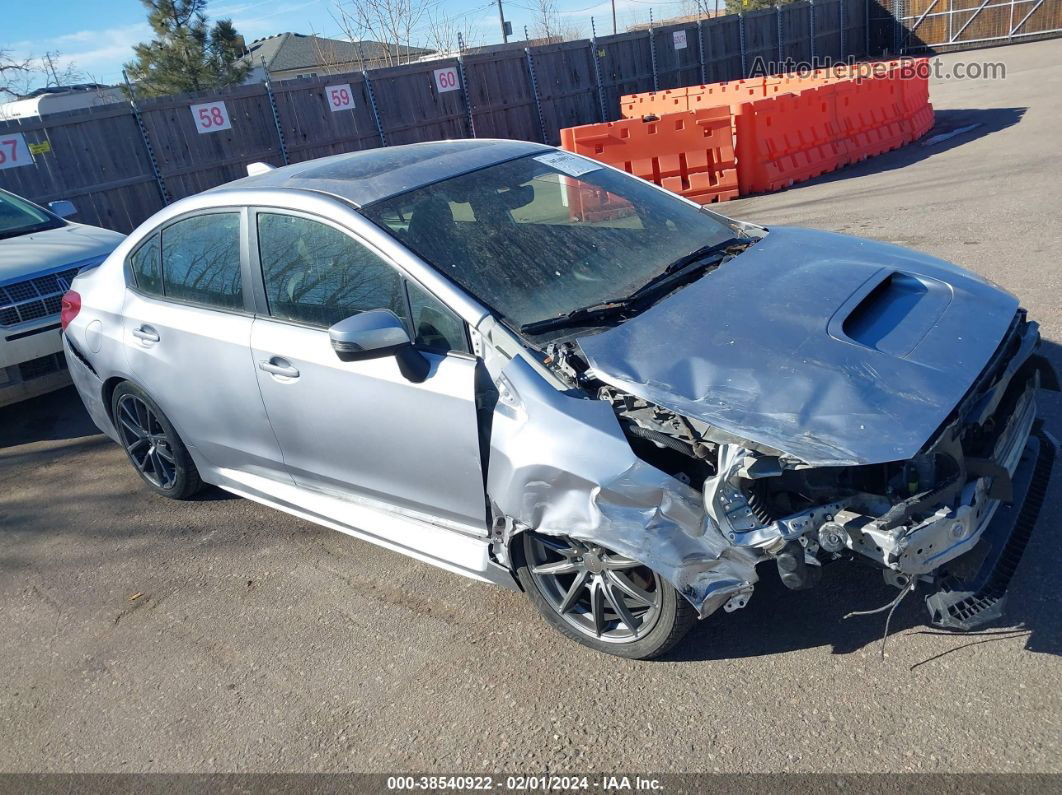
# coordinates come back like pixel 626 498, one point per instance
pixel 71 306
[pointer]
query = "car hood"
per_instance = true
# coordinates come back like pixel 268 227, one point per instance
pixel 54 249
pixel 832 349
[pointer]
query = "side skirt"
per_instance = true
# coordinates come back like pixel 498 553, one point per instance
pixel 446 549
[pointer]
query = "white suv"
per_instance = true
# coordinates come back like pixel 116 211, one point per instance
pixel 40 254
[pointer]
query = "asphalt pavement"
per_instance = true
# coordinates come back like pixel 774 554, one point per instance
pixel 138 634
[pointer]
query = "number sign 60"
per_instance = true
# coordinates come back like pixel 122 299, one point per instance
pixel 446 79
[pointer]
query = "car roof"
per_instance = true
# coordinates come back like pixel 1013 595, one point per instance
pixel 370 175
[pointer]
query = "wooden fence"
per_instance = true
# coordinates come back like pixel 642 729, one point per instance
pixel 120 163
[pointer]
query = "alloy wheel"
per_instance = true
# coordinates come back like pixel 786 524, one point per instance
pixel 146 441
pixel 599 593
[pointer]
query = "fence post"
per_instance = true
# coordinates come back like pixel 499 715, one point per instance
pixel 652 51
pixel 811 30
pixel 165 194
pixel 700 49
pixel 534 93
pixel 842 22
pixel 597 70
pixel 897 35
pixel 866 27
pixel 464 95
pixel 741 43
pixel 372 105
pixel 276 113
pixel 778 34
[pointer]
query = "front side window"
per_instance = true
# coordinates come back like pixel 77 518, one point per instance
pixel 201 260
pixel 316 274
pixel 435 327
pixel 541 235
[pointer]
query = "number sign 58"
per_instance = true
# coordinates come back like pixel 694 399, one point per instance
pixel 211 117
pixel 446 79
pixel 339 97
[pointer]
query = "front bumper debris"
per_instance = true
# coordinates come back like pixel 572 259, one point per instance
pixel 972 588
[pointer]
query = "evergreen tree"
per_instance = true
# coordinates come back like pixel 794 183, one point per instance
pixel 186 54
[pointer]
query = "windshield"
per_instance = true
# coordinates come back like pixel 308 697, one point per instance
pixel 542 235
pixel 20 217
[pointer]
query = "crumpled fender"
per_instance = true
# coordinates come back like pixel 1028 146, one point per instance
pixel 560 465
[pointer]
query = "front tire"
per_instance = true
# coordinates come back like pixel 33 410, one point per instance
pixel 152 445
pixel 600 599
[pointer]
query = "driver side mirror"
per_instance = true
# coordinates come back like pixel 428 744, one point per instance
pixel 375 334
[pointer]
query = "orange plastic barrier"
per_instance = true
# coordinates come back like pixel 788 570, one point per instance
pixel 780 129
pixel 721 95
pixel 787 139
pixel 918 112
pixel 871 117
pixel 689 153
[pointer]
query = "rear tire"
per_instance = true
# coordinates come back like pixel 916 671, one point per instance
pixel 602 600
pixel 152 445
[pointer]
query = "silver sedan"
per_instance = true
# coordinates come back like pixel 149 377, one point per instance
pixel 535 370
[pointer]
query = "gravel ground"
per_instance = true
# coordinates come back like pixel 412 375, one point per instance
pixel 260 642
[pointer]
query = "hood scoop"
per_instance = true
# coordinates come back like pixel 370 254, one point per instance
pixel 893 312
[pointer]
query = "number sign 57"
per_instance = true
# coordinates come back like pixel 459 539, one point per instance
pixel 13 151
pixel 211 117
pixel 339 97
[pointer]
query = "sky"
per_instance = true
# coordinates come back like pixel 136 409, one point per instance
pixel 97 36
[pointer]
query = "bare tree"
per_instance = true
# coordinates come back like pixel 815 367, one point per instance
pixel 449 34
pixel 547 23
pixel 390 22
pixel 14 74
pixel 330 59
pixel 57 73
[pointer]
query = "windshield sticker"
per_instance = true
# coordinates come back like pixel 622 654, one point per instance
pixel 569 164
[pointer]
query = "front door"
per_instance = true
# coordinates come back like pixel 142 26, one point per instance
pixel 188 338
pixel 360 429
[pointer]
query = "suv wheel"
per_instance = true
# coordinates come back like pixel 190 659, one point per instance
pixel 602 599
pixel 153 446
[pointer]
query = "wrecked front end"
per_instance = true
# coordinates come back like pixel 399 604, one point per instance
pixel 952 520
pixel 560 465
pixel 704 507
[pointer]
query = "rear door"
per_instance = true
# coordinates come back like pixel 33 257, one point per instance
pixel 360 430
pixel 188 336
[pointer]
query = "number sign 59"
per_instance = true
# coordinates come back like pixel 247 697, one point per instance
pixel 339 97
pixel 211 117
pixel 446 79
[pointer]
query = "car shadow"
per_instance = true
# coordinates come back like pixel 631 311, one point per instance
pixel 982 121
pixel 57 416
pixel 60 416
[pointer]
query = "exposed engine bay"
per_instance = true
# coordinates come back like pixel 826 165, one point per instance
pixel 909 517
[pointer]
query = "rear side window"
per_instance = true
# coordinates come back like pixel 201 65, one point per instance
pixel 315 274
pixel 144 265
pixel 201 260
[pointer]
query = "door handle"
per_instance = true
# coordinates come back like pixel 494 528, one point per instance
pixel 146 334
pixel 278 366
